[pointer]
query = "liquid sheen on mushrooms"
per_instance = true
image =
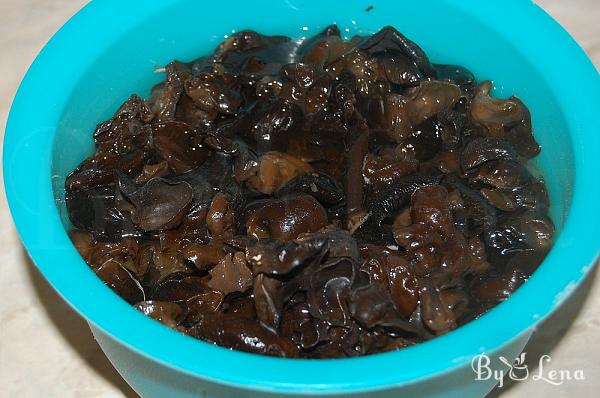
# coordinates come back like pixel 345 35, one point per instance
pixel 314 198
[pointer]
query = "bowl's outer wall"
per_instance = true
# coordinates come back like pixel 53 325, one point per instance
pixel 109 50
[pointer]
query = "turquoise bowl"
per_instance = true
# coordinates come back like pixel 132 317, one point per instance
pixel 110 49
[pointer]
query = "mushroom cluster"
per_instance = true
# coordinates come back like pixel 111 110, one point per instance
pixel 317 198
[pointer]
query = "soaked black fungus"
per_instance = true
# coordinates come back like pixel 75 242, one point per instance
pixel 319 198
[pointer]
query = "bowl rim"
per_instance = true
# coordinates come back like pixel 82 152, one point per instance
pixel 577 244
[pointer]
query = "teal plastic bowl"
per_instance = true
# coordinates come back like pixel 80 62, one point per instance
pixel 109 50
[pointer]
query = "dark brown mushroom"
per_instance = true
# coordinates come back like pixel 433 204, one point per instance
pixel 231 274
pixel 167 313
pixel 211 94
pixel 431 98
pixel 279 258
pixel 330 287
pixel 393 270
pixel 521 231
pixel 203 256
pixel 126 129
pixel 380 171
pixel 298 326
pixel 158 204
pixel 457 74
pixel 228 330
pixel 150 171
pixel 437 315
pixel 165 96
pixel 275 169
pixel 273 124
pixel 285 218
pixel 482 150
pixel 179 288
pixel 268 300
pixel 390 200
pixel 319 185
pixel 508 119
pixel 121 281
pixel 389 41
pixel 220 216
pixel 372 307
pixel 179 145
pixel 503 174
pixel 354 182
pixel 206 302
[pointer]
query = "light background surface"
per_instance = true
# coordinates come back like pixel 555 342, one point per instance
pixel 46 350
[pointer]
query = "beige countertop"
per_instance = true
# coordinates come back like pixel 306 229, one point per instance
pixel 46 350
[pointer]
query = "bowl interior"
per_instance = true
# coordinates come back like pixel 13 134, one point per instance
pixel 110 49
